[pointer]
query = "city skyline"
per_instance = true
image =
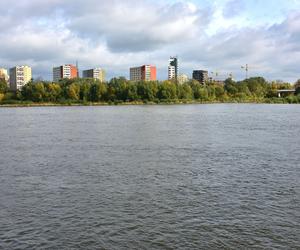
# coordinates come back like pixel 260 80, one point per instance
pixel 218 36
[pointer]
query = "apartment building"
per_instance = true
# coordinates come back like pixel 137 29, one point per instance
pixel 68 71
pixel 143 73
pixel 96 73
pixel 19 76
pixel 173 68
pixel 200 75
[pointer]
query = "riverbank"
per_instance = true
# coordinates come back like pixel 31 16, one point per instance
pixel 167 102
pixel 119 91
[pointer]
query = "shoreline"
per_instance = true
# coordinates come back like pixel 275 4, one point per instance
pixel 136 103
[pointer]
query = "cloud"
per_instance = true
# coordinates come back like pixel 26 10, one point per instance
pixel 233 8
pixel 118 34
pixel 137 25
pixel 270 51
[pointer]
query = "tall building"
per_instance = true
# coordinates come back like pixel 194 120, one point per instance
pixel 68 71
pixel 200 75
pixel 97 73
pixel 19 76
pixel 143 73
pixel 4 75
pixel 173 68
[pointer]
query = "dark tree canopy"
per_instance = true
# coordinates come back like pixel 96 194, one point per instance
pixel 121 90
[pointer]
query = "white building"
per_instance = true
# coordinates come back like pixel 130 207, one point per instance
pixel 19 76
pixel 173 68
pixel 171 72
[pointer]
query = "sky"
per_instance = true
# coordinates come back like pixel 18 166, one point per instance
pixel 218 36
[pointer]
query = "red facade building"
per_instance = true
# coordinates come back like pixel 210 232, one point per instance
pixel 143 73
pixel 68 71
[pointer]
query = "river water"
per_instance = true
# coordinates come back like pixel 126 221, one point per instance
pixel 150 177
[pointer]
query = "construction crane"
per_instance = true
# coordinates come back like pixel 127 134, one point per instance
pixel 215 73
pixel 220 75
pixel 246 68
pixel 214 76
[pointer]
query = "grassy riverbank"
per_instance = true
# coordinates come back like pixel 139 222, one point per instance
pixel 166 102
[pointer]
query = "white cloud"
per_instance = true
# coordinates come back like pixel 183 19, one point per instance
pixel 118 34
pixel 136 25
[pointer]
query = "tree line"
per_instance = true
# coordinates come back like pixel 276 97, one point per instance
pixel 117 90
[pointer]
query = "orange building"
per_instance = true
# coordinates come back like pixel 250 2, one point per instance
pixel 143 73
pixel 68 71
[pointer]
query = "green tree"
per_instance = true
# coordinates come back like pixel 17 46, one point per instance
pixel 196 87
pixel 147 90
pixel 231 87
pixel 39 92
pixel 3 86
pixel 185 91
pixel 73 91
pixel 219 92
pixel 133 92
pixel 27 91
pixel 297 87
pixel 34 92
pixel 167 91
pixel 85 91
pixel 122 91
pixel 243 89
pixel 257 86
pixel 98 92
pixel 54 92
pixel 211 93
pixel 117 89
pixel 203 94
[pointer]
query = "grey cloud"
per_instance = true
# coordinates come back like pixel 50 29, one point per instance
pixel 125 26
pixel 136 25
pixel 119 34
pixel 133 43
pixel 22 12
pixel 287 34
pixel 273 52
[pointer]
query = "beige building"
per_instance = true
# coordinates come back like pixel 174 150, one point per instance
pixel 182 78
pixel 4 75
pixel 97 73
pixel 19 76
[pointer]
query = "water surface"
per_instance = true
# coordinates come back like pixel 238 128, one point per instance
pixel 150 177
